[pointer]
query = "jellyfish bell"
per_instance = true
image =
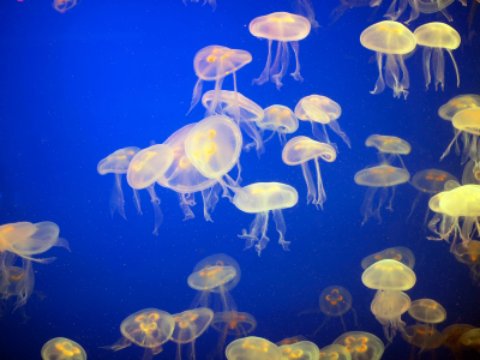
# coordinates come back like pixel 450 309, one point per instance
pixel 302 350
pixel 284 28
pixel 423 336
pixel 398 253
pixel 299 151
pixel 279 119
pixel 61 348
pixel 394 41
pixel 389 146
pixel 389 274
pixel 261 198
pixel 427 311
pixel 252 347
pixel 460 102
pixel 388 306
pixel 430 7
pixel 334 351
pixel 361 345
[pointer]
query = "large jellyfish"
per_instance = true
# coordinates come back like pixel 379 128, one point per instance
pixel 389 274
pixel 301 350
pixel 252 347
pixel 321 110
pixel 299 151
pixel 61 348
pixel 117 163
pixel 285 28
pixel 436 37
pixel 144 169
pixel 361 345
pixel 280 120
pixel 261 198
pixel 394 41
pixel 385 178
pixel 214 63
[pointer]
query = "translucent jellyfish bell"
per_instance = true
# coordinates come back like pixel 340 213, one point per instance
pixel 427 311
pixel 280 120
pixel 436 38
pixel 389 274
pixel 361 345
pixel 302 350
pixel 423 336
pixel 61 348
pixel 335 301
pixel 252 347
pixel 334 351
pixel 299 151
pixel 284 28
pixel 398 253
pixel 321 111
pixel 460 102
pixel 430 7
pixel 62 6
pixel 261 198
pixel 394 41
pixel 389 146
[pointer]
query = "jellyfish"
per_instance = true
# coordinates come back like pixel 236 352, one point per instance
pixel 334 351
pixel 62 6
pixel 335 301
pixel 389 147
pixel 321 110
pixel 451 338
pixel 423 336
pixel 117 163
pixel 430 7
pixel 398 253
pixel 61 348
pixel 184 178
pixel 214 63
pixel 215 275
pixel 384 178
pixel 361 345
pixel 457 213
pixel 469 254
pixel 252 347
pixel 16 281
pixel 144 169
pixel 280 120
pixel 396 8
pixel 388 307
pixel 389 274
pixel 246 113
pixel 471 339
pixel 232 324
pixel 189 326
pixel 284 28
pixel 394 41
pixel 427 311
pixel 260 199
pixel 148 328
pixel 299 151
pixel 437 37
pixel 212 3
pixel 458 103
pixel 302 350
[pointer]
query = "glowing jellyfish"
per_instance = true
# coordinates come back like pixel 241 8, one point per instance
pixel 215 275
pixel 261 198
pixel 214 63
pixel 469 254
pixel 398 253
pixel 279 119
pixel 144 169
pixel 394 41
pixel 388 308
pixel 361 345
pixel 252 347
pixel 299 151
pixel 471 339
pixel 423 336
pixel 184 178
pixel 384 178
pixel 436 37
pixel 451 338
pixel 232 324
pixel 62 6
pixel 302 350
pixel 321 111
pixel 61 348
pixel 389 274
pixel 284 28
pixel 335 301
pixel 427 311
pixel 457 213
pixel 334 351
pixel 117 163
pixel 458 103
pixel 389 147
pixel 148 328
pixel 190 325
pixel 246 113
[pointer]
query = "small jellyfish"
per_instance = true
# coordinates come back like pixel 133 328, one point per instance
pixel 423 337
pixel 261 198
pixel 389 274
pixel 334 352
pixel 280 120
pixel 15 281
pixel 284 28
pixel 190 325
pixel 299 151
pixel 144 169
pixel 398 253
pixel 117 163
pixel 361 345
pixel 384 178
pixel 436 37
pixel 148 328
pixel 61 348
pixel 335 301
pixel 232 324
pixel 302 350
pixel 252 347
pixel 388 307
pixel 394 41
pixel 321 110
pixel 389 147
pixel 62 6
pixel 214 63
pixel 427 311
pixel 469 254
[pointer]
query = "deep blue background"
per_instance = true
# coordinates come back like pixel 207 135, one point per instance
pixel 110 74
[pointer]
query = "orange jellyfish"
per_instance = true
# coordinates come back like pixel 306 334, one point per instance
pixel 252 347
pixel 62 6
pixel 361 345
pixel 299 151
pixel 261 198
pixel 301 350
pixel 232 324
pixel 214 63
pixel 469 254
pixel 436 37
pixel 394 41
pixel 117 163
pixel 423 336
pixel 15 281
pixel 334 351
pixel 280 120
pixel 284 28
pixel 61 348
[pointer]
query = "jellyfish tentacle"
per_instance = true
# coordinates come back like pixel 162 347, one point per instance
pixel 265 75
pixel 380 83
pixel 296 51
pixel 281 228
pixel 455 66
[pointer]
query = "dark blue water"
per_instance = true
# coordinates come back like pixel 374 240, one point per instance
pixel 109 74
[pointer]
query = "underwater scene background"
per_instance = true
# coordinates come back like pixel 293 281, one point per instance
pixel 107 74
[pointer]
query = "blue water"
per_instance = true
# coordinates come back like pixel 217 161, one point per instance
pixel 107 74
